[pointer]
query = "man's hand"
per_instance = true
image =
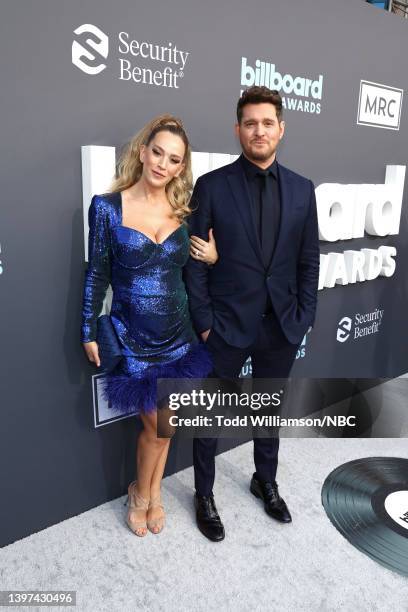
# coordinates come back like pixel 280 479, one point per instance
pixel 92 352
pixel 204 335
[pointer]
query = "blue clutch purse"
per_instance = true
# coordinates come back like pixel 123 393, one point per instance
pixel 110 351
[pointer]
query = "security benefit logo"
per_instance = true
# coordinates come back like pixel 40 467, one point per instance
pixel 89 49
pixel 299 93
pixel 360 326
pixel 347 212
pixel 135 61
pixel 379 105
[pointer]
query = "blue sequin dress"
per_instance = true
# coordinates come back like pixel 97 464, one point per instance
pixel 149 310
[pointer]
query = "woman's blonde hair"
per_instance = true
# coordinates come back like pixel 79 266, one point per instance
pixel 129 167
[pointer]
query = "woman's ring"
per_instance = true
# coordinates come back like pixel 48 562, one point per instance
pixel 197 253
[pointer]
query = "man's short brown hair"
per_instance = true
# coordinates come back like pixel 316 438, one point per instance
pixel 259 95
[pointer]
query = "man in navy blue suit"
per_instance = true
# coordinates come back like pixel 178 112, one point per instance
pixel 259 299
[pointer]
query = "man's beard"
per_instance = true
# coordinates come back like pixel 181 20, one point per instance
pixel 258 156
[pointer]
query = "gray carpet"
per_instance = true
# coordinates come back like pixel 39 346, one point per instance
pixel 261 565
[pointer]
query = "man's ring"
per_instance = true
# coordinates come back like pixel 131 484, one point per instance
pixel 197 253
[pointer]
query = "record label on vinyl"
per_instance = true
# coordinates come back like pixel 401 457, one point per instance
pixel 396 505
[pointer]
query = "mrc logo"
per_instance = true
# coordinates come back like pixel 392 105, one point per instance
pixel 379 105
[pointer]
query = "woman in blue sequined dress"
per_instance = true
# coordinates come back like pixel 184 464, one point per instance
pixel 139 243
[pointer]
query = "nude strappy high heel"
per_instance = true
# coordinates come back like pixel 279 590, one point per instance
pixel 157 523
pixel 136 502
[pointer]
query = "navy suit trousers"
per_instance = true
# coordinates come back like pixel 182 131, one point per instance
pixel 272 356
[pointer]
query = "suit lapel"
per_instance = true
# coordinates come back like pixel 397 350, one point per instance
pixel 242 199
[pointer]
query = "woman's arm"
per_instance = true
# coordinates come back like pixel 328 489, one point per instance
pixel 98 274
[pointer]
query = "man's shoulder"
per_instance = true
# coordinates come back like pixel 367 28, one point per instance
pixel 291 175
pixel 214 176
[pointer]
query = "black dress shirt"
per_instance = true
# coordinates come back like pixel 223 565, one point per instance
pixel 264 189
pixel 265 194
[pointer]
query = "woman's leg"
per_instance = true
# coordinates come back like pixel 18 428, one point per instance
pixel 150 448
pixel 155 512
pixel 151 459
pixel 159 471
pixel 167 430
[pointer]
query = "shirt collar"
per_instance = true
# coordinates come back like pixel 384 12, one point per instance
pixel 252 169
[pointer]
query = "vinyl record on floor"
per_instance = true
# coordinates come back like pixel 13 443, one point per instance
pixel 367 501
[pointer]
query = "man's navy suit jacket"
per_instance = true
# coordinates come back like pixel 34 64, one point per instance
pixel 230 296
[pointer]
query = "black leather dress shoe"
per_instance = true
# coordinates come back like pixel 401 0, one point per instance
pixel 273 503
pixel 208 520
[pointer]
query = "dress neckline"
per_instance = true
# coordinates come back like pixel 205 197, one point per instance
pixel 133 229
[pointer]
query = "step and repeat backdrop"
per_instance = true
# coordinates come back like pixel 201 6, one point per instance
pixel 84 77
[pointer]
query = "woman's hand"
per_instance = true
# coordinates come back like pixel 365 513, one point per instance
pixel 200 250
pixel 92 352
pixel 205 334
